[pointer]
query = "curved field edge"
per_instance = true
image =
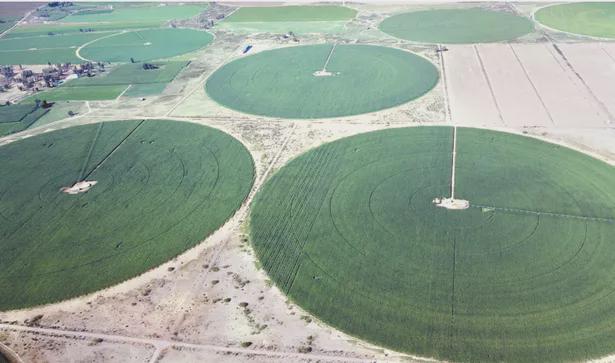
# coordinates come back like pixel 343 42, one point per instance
pixel 214 92
pixel 469 31
pixel 94 157
pixel 300 300
pixel 558 18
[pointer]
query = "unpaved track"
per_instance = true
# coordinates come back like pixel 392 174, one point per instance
pixel 161 344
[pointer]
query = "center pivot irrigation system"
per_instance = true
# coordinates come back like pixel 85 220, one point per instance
pixel 451 202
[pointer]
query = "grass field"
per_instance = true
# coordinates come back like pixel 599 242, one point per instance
pixel 15 118
pixel 593 19
pixel 291 14
pixel 147 15
pixel 281 82
pixel 44 49
pixel 57 41
pixel 85 93
pixel 146 45
pixel 132 73
pixel 450 26
pixel 155 198
pixel 350 233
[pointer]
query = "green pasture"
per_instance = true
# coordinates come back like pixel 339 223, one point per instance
pixel 132 73
pixel 448 26
pixel 44 49
pixel 56 28
pixel 81 93
pixel 591 18
pixel 349 231
pixel 150 15
pixel 155 198
pixel 6 22
pixel 291 14
pixel 281 83
pixel 284 19
pixel 145 89
pixel 15 118
pixel 146 45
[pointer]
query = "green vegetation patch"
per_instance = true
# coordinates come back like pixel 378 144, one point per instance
pixel 15 118
pixel 145 14
pixel 85 93
pixel 133 73
pixel 593 19
pixel 350 232
pixel 147 89
pixel 6 22
pixel 44 48
pixel 450 26
pixel 162 187
pixel 291 14
pixel 145 45
pixel 282 82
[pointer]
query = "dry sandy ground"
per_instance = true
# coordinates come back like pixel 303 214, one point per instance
pixel 214 303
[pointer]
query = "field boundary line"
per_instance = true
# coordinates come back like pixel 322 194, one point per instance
pixel 161 344
pixel 486 76
pixel 18 22
pixel 240 214
pixel 78 50
pixel 527 75
pixel 544 213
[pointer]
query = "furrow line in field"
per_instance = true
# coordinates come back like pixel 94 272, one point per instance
pixel 601 104
pixel 281 225
pixel 320 200
pixel 489 85
pixel 529 79
pixel 296 234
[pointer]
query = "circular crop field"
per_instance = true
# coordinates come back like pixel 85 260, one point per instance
pixel 145 45
pixel 318 81
pixel 593 19
pixel 450 26
pixel 351 232
pixel 156 188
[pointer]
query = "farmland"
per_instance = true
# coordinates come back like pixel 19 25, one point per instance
pixel 58 245
pixel 15 118
pixel 456 26
pixel 453 286
pixel 381 77
pixel 291 14
pixel 589 18
pixel 274 189
pixel 130 80
pixel 145 45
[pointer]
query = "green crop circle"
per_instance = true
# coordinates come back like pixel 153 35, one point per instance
pixel 146 45
pixel 592 19
pixel 452 26
pixel 350 232
pixel 282 82
pixel 162 187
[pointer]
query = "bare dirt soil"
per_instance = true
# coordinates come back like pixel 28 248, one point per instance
pixel 214 303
